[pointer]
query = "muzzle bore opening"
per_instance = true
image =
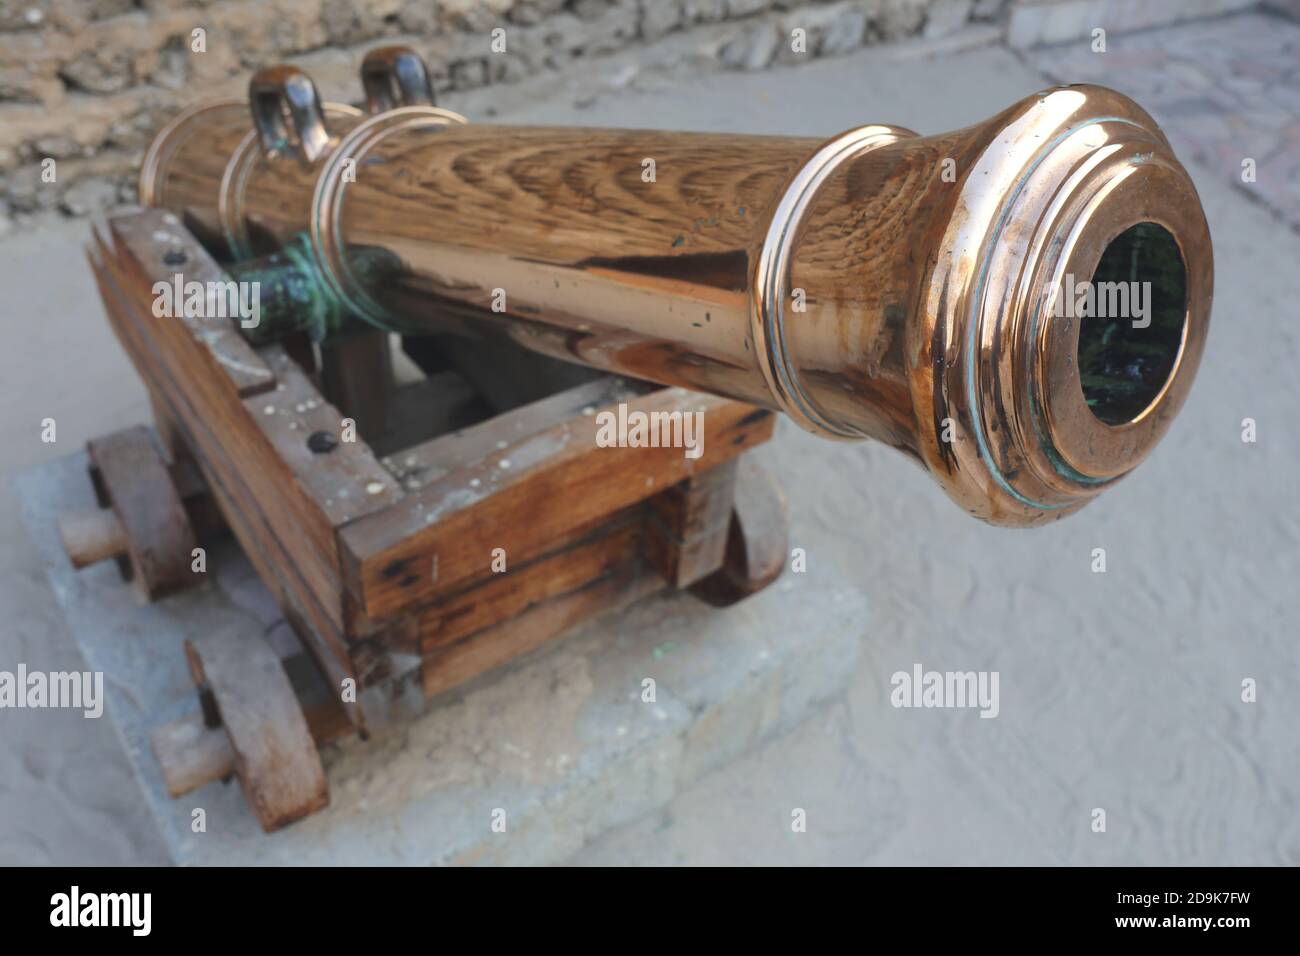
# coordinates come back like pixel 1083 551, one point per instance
pixel 1131 332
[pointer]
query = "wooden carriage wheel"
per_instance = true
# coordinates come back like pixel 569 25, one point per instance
pixel 757 539
pixel 246 691
pixel 142 521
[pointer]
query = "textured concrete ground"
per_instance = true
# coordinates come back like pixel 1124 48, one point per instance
pixel 1119 691
pixel 564 742
pixel 1227 91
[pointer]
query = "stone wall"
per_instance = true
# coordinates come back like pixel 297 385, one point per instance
pixel 87 82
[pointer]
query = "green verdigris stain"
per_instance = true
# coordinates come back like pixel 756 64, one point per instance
pixel 294 296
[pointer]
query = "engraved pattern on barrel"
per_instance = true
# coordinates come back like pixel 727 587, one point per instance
pixel 852 284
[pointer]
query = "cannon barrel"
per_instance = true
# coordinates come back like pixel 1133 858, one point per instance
pixel 240 173
pixel 1020 305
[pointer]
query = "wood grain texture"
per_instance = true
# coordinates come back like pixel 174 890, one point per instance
pixel 278 498
pixel 448 665
pixel 524 495
pixel 437 457
pixel 603 260
pixel 502 596
pixel 637 252
pixel 193 162
pixel 687 525
pixel 555 194
pixel 273 193
pixel 133 477
pixel 158 250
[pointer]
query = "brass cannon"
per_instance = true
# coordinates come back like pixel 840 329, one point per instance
pixel 1019 306
pixel 880 284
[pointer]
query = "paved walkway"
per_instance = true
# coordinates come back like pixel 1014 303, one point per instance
pixel 1224 90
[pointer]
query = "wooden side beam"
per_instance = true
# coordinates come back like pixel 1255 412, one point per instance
pixel 523 495
pixel 274 491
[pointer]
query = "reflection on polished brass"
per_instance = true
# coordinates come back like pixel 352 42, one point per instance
pixel 394 76
pixel 240 173
pixel 880 284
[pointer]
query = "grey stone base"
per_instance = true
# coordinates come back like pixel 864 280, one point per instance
pixel 561 740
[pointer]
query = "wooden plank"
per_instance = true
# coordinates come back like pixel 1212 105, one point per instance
pixel 271 561
pixel 177 252
pixel 206 400
pixel 686 531
pixel 519 588
pixel 312 496
pixel 267 518
pixel 118 310
pixel 350 463
pixel 357 376
pixel 430 460
pixel 523 496
pixel 332 465
pixel 170 440
pixel 447 665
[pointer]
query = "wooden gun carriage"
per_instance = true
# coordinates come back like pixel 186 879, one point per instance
pixel 472 518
